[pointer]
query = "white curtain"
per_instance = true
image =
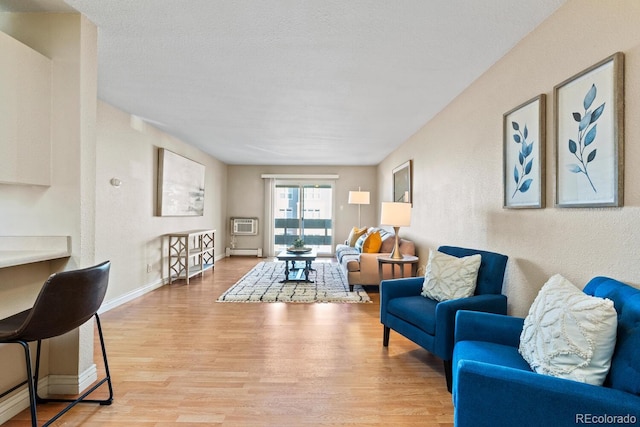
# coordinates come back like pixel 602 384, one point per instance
pixel 267 226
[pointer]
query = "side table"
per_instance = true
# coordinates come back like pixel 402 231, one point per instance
pixel 407 259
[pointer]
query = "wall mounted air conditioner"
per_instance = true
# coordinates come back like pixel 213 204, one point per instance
pixel 244 226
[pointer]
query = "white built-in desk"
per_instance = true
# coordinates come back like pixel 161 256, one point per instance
pixel 19 250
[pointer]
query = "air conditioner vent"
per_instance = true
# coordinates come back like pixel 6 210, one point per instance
pixel 244 226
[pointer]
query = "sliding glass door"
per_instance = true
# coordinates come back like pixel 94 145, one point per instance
pixel 303 210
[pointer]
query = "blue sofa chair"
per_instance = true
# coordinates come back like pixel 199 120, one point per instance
pixel 494 386
pixel 430 323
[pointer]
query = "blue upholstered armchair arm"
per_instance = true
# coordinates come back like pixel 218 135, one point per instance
pixel 446 316
pixel 489 327
pixel 493 396
pixel 407 287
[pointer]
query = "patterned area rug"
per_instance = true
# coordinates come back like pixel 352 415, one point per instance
pixel 262 284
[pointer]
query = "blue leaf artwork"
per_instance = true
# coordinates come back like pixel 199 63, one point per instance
pixel 525 164
pixel 587 131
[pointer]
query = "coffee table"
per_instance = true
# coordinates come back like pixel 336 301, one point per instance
pixel 297 274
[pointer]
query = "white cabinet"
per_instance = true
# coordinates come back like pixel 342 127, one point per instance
pixel 25 114
pixel 190 253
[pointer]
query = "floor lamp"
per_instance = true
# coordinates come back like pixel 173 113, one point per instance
pixel 359 198
pixel 396 214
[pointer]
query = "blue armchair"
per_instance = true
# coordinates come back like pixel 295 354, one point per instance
pixel 494 386
pixel 430 323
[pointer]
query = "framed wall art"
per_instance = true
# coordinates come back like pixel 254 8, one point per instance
pixel 524 145
pixel 402 178
pixel 589 125
pixel 180 185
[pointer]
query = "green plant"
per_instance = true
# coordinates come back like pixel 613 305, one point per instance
pixel 298 243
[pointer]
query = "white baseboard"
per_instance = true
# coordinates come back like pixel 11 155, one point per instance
pixel 72 384
pixel 18 401
pixel 246 252
pixel 136 293
pixel 130 296
pixel 52 384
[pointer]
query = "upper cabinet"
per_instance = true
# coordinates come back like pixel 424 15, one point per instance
pixel 25 114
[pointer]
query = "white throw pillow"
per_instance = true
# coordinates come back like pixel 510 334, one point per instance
pixel 569 334
pixel 449 277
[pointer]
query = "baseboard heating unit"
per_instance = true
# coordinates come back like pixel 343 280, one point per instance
pixel 244 252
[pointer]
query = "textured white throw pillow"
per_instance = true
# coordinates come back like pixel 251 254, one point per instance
pixel 569 334
pixel 449 277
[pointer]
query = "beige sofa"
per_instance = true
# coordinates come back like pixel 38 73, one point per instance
pixel 362 268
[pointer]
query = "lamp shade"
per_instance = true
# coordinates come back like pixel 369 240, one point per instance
pixel 396 214
pixel 358 197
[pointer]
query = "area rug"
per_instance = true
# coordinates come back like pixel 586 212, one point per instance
pixel 262 284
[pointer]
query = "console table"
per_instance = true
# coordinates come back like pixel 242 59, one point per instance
pixel 190 253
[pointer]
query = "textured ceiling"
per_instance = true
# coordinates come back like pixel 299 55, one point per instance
pixel 294 82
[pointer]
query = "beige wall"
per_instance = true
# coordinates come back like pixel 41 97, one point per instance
pixel 246 196
pixel 458 161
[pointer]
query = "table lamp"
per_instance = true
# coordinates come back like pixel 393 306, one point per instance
pixel 396 214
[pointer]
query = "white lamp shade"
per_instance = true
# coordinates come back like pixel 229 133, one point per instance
pixel 396 214
pixel 358 197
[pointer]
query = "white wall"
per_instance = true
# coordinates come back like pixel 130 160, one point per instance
pixel 128 232
pixel 67 206
pixel 458 161
pixel 56 209
pixel 91 143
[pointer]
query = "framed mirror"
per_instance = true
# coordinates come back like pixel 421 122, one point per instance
pixel 402 183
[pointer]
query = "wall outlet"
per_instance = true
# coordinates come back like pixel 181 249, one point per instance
pixel 149 268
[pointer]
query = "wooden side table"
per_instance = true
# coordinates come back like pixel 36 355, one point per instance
pixel 407 259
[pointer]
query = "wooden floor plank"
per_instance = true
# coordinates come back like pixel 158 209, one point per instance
pixel 179 358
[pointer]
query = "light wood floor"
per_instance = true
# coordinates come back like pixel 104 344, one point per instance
pixel 179 358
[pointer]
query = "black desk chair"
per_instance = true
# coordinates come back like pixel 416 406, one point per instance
pixel 66 301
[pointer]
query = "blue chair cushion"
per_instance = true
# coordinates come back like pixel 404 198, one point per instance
pixel 417 310
pixel 488 352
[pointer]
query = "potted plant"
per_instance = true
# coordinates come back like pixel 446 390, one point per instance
pixel 298 246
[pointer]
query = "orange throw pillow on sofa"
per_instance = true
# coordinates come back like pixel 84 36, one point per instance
pixel 372 243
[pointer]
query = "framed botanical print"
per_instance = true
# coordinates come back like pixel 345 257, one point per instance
pixel 524 145
pixel 589 125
